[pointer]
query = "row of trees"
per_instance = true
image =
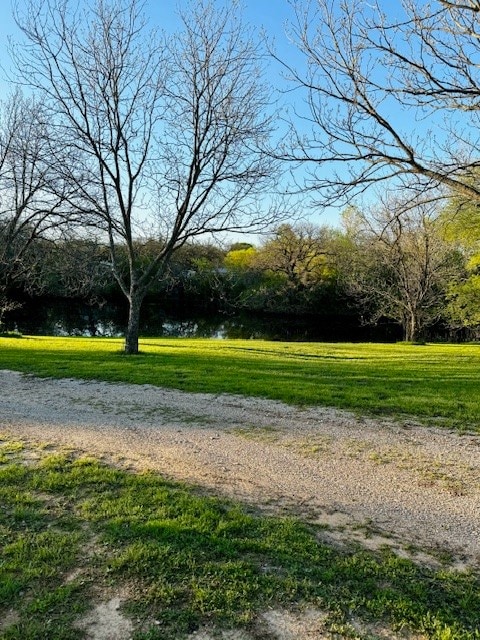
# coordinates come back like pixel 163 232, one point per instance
pixel 415 268
pixel 145 142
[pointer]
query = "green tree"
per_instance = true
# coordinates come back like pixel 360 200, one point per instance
pixel 241 259
pixel 299 253
pixel 460 221
pixel 296 263
pixel 464 301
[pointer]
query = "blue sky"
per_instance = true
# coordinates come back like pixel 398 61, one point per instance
pixel 272 17
pixel 269 16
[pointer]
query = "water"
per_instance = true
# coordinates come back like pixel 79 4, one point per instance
pixel 73 318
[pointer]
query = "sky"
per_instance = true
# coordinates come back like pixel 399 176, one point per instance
pixel 273 17
pixel 268 16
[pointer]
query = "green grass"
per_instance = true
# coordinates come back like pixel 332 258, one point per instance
pixel 438 383
pixel 188 561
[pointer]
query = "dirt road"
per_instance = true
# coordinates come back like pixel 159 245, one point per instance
pixel 372 481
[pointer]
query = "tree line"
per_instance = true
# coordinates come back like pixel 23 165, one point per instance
pixel 417 269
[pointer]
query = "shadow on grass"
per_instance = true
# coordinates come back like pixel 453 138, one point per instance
pixel 198 561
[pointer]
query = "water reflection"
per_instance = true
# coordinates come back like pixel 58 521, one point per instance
pixel 78 319
pixel 53 318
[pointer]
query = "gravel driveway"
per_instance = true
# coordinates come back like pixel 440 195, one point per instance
pixel 416 489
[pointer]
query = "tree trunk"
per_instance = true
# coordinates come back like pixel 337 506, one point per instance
pixel 131 337
pixel 412 330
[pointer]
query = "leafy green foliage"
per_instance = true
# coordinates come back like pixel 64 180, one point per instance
pixel 464 301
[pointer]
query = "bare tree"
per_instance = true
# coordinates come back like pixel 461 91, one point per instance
pixel 31 198
pixel 164 133
pixel 399 266
pixel 392 91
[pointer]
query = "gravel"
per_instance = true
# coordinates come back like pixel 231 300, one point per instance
pixel 379 483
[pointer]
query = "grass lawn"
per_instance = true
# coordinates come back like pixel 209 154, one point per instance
pixel 74 531
pixel 438 383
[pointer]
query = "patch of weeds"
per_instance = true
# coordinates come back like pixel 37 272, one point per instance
pixel 11 446
pixel 266 433
pixel 454 478
pixel 435 478
pixel 357 448
pixel 9 449
pixel 378 458
pixel 310 447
